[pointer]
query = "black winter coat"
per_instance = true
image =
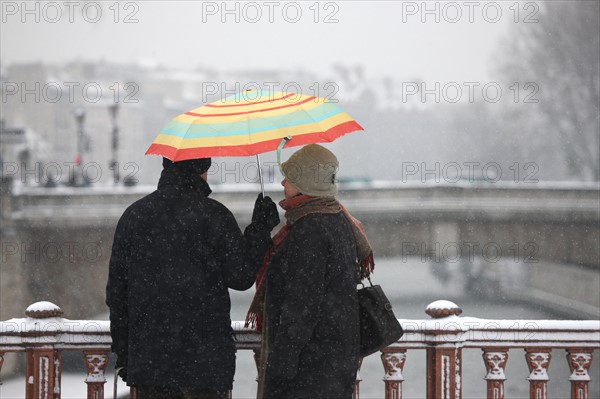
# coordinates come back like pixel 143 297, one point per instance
pixel 175 254
pixel 312 311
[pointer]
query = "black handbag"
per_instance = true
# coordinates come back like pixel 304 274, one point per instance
pixel 379 327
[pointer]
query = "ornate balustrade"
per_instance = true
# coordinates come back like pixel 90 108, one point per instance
pixel 446 335
pixel 43 335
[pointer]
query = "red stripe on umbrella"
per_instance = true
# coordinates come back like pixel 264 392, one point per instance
pixel 212 105
pixel 252 149
pixel 252 112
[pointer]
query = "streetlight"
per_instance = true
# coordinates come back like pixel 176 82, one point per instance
pixel 80 118
pixel 114 165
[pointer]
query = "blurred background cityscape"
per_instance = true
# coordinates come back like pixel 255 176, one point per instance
pixel 477 175
pixel 518 89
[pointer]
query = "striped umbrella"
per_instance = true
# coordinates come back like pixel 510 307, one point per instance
pixel 251 123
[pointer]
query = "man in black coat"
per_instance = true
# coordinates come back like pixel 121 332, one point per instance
pixel 175 254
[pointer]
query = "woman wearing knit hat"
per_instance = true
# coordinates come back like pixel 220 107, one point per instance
pixel 306 303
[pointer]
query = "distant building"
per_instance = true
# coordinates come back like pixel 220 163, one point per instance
pixel 14 153
pixel 13 144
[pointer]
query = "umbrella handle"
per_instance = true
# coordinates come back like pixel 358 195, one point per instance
pixel 260 176
pixel 279 148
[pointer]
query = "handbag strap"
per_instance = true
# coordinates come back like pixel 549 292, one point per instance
pixel 363 284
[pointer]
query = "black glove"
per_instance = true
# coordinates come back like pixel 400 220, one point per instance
pixel 122 373
pixel 265 215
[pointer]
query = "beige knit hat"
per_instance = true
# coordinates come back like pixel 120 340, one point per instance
pixel 312 170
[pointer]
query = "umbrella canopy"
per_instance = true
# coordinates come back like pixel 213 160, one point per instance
pixel 251 123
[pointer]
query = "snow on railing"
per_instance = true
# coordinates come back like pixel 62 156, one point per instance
pixel 44 334
pixel 445 335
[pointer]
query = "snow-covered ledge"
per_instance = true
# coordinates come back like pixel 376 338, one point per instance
pixel 43 334
pixel 470 332
pixel 44 325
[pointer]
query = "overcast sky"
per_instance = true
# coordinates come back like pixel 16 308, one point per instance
pixel 386 37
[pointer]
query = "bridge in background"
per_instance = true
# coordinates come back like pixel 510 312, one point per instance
pixel 57 240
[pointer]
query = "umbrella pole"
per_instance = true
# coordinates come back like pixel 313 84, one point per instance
pixel 260 176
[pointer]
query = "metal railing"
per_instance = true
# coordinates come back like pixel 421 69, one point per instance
pixel 44 334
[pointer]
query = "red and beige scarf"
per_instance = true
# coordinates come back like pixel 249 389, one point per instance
pixel 296 208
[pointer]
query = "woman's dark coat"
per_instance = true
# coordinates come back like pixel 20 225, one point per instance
pixel 175 254
pixel 312 311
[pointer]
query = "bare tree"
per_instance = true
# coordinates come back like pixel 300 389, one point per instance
pixel 561 54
